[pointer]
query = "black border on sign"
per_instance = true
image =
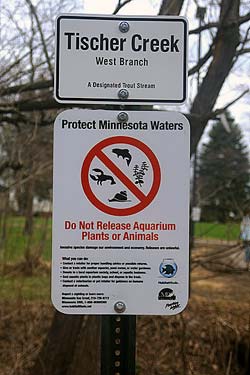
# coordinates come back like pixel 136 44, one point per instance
pixel 172 19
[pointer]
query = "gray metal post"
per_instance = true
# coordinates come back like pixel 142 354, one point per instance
pixel 118 343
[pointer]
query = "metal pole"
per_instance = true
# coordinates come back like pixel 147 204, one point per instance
pixel 118 344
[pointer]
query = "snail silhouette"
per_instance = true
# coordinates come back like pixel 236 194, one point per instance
pixel 120 197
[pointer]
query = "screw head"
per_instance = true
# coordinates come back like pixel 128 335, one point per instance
pixel 123 94
pixel 119 307
pixel 122 117
pixel 124 27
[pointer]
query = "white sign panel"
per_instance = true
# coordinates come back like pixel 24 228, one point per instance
pixel 98 63
pixel 120 215
pixel 196 214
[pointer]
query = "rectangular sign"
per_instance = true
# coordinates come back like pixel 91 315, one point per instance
pixel 121 212
pixel 114 59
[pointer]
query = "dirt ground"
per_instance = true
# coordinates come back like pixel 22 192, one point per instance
pixel 212 336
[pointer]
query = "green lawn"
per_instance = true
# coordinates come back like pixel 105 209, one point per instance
pixel 228 231
pixel 15 244
pixel 14 286
pixel 25 288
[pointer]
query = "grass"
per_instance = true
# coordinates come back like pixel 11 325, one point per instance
pixel 35 288
pixel 228 231
pixel 16 243
pixel 16 286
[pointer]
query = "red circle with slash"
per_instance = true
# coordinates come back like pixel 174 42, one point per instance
pixel 144 199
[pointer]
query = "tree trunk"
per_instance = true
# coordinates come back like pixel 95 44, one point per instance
pixel 71 347
pixel 226 42
pixel 4 220
pixel 28 226
pixel 88 349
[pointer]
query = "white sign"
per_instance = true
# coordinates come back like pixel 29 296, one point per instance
pixel 120 215
pixel 196 214
pixel 96 62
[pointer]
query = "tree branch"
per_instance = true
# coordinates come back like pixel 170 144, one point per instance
pixel 221 110
pixel 211 25
pixel 15 166
pixel 171 7
pixel 204 27
pixel 39 85
pixel 242 51
pixel 33 11
pixel 202 61
pixel 120 5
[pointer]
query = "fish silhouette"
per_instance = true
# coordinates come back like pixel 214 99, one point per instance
pixel 124 153
pixel 168 269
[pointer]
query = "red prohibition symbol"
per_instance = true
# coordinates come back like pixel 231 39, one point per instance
pixel 144 200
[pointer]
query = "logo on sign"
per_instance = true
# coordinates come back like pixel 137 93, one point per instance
pixel 168 268
pixel 166 294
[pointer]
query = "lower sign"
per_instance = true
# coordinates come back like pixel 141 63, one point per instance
pixel 120 216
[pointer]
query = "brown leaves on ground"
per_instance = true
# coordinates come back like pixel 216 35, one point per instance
pixel 23 327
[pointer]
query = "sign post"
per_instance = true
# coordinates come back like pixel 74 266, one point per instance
pixel 118 345
pixel 121 179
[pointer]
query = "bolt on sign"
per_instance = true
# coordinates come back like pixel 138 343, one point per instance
pixel 114 59
pixel 120 215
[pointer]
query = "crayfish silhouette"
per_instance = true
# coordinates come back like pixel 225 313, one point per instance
pixel 101 177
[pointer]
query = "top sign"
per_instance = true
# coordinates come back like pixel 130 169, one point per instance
pixel 121 60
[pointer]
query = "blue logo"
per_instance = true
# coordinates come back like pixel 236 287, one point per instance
pixel 168 268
